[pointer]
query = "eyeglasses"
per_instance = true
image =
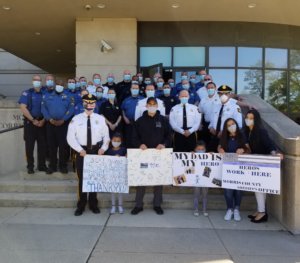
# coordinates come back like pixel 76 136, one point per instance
pixel 207 79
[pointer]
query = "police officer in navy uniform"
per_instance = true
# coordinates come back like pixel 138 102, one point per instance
pixel 168 100
pixel 34 125
pixel 73 92
pixel 57 109
pixel 123 87
pixel 87 134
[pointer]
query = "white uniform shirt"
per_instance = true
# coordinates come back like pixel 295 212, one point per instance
pixel 202 93
pixel 206 106
pixel 230 110
pixel 77 131
pixel 141 107
pixel 192 114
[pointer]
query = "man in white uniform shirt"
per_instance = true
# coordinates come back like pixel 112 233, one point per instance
pixel 185 120
pixel 141 106
pixel 202 92
pixel 87 134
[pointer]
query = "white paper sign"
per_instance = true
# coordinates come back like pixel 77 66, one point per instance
pixel 149 167
pixel 102 173
pixel 254 173
pixel 197 169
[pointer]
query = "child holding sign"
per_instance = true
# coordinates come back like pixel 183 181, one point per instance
pixel 116 149
pixel 200 148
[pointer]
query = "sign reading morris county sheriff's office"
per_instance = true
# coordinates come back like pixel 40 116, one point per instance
pixel 197 169
pixel 149 167
pixel 254 173
pixel 103 173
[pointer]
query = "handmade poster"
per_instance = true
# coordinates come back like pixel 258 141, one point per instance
pixel 102 173
pixel 149 167
pixel 197 169
pixel 254 173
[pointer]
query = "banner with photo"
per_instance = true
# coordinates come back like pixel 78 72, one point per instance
pixel 102 173
pixel 197 169
pixel 149 167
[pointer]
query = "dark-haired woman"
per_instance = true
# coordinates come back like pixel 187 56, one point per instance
pixel 232 141
pixel 260 143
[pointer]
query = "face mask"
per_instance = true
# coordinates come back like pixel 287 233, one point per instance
pixel 115 144
pixel 59 89
pixel 147 82
pixel 91 88
pixel 134 82
pixel 223 98
pixel 111 96
pixel 193 81
pixel 71 86
pixel 232 128
pixel 184 77
pixel 127 77
pixel 83 83
pixel 211 92
pixel 184 100
pixel 110 79
pixel 155 79
pixel 186 86
pixel 159 84
pixel 249 122
pixel 77 85
pixel 141 79
pixel 50 83
pixel 97 81
pixel 172 84
pixel 206 82
pixel 134 92
pixel 167 91
pixel 99 95
pixel 201 77
pixel 150 93
pixel 36 84
pixel 152 109
pixel 89 107
pixel 200 151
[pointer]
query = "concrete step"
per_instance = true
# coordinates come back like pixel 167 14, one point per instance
pixel 43 176
pixel 61 200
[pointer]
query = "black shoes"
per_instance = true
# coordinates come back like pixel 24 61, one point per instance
pixel 261 220
pixel 50 171
pixel 30 171
pixel 95 210
pixel 251 216
pixel 64 170
pixel 78 212
pixel 43 168
pixel 158 210
pixel 136 210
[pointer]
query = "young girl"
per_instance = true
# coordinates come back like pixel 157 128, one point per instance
pixel 200 148
pixel 116 149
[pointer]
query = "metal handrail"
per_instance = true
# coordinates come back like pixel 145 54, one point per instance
pixel 12 129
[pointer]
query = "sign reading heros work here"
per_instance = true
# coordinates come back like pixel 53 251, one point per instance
pixel 149 167
pixel 197 169
pixel 103 173
pixel 255 173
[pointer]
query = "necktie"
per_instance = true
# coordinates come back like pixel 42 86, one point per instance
pixel 219 119
pixel 89 134
pixel 184 118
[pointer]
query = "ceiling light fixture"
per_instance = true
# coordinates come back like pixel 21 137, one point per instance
pixel 251 5
pixel 37 33
pixel 58 50
pixel 175 5
pixel 101 6
pixel 6 8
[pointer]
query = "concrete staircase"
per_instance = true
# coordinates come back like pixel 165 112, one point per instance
pixel 59 190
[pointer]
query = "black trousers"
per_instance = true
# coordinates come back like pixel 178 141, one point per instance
pixel 128 130
pixel 184 144
pixel 213 144
pixel 140 193
pixel 34 134
pixel 57 140
pixel 82 197
pixel 204 134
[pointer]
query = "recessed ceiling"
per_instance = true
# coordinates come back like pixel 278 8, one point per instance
pixel 35 30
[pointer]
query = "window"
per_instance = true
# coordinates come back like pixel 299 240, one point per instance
pixel 155 55
pixel 276 58
pixel 294 103
pixel 250 82
pixel 223 77
pixel 189 56
pixel 249 57
pixel 295 59
pixel 222 56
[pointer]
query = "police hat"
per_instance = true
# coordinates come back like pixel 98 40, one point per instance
pixel 224 89
pixel 89 98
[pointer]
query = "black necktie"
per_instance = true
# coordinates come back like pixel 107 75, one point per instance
pixel 219 119
pixel 184 118
pixel 89 134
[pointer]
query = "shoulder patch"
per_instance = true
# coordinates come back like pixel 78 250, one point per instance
pixel 239 110
pixel 24 93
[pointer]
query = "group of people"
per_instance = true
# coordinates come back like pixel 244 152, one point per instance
pixel 93 117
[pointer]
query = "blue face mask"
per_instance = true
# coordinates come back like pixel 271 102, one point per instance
pixel 186 86
pixel 71 86
pixel 127 77
pixel 77 85
pixel 59 89
pixel 49 83
pixel 184 100
pixel 147 82
pixel 36 84
pixel 167 91
pixel 159 84
pixel 141 79
pixel 200 151
pixel 83 83
pixel 134 92
pixel 201 77
pixel 184 77
pixel 99 95
pixel 97 81
pixel 193 81
pixel 111 96
pixel 110 79
pixel 155 79
pixel 211 92
pixel 172 84
pixel 150 93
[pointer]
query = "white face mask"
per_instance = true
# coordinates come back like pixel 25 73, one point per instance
pixel 115 144
pixel 249 122
pixel 232 128
pixel 152 109
pixel 224 98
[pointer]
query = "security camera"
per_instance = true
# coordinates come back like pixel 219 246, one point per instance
pixel 105 46
pixel 88 7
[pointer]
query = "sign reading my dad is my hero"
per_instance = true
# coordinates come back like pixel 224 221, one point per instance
pixel 149 167
pixel 197 169
pixel 254 173
pixel 103 173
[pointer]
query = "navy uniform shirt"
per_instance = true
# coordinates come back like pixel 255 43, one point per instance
pixel 120 152
pixel 110 112
pixel 169 102
pixel 57 106
pixel 76 96
pixel 129 105
pixel 123 91
pixel 33 100
pixel 99 103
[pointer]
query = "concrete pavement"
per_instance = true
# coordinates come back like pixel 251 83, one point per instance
pixel 55 235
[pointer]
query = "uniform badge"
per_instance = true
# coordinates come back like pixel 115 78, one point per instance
pixel 239 110
pixel 97 122
pixel 24 93
pixel 158 124
pixel 172 100
pixel 117 107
